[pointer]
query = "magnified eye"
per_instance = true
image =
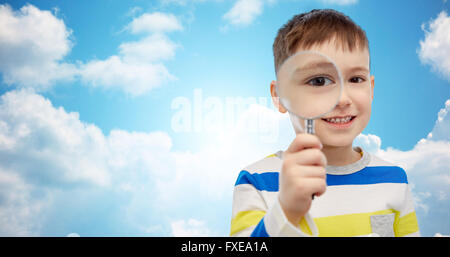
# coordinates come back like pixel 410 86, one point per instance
pixel 319 81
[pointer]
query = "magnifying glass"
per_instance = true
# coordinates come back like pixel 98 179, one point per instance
pixel 309 86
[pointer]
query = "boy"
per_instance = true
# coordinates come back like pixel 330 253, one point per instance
pixel 365 196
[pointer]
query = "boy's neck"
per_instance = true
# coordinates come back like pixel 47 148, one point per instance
pixel 340 155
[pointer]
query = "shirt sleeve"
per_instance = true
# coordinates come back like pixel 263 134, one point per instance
pixel 253 216
pixel 405 223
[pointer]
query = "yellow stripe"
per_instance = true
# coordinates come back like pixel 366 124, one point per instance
pixel 245 219
pixel 304 227
pixel 406 225
pixel 341 225
pixel 348 225
pixel 272 155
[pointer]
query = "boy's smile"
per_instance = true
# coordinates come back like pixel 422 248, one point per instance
pixel 340 122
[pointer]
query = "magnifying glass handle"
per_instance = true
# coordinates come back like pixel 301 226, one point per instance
pixel 310 126
pixel 310 130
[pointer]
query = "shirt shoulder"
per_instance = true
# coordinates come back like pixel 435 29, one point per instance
pixel 377 161
pixel 270 163
pixel 387 169
pixel 263 174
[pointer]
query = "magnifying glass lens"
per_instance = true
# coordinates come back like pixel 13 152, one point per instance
pixel 309 84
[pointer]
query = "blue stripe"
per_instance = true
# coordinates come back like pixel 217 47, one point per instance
pixel 268 181
pixel 260 230
pixel 265 181
pixel 369 175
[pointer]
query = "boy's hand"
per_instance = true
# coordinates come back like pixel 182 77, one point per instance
pixel 302 175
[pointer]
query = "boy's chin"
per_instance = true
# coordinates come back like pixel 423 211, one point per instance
pixel 337 141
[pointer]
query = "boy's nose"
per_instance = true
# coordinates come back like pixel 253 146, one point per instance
pixel 345 98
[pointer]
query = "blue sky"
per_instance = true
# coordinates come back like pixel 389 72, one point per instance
pixel 92 92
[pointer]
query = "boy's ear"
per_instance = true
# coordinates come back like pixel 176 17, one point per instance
pixel 372 84
pixel 275 98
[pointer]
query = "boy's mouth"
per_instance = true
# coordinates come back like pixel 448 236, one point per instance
pixel 340 121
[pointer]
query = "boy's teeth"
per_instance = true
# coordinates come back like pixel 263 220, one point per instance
pixel 339 120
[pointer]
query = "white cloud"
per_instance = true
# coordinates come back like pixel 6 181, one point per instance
pixel 150 49
pixel 48 157
pixel 154 22
pixel 244 12
pixel 73 235
pixel 53 166
pixel 256 132
pixel 138 67
pixel 33 44
pixel 47 153
pixel 48 145
pixel 134 78
pixel 189 228
pixel 20 213
pixel 440 235
pixel 370 143
pixel 441 129
pixel 134 11
pixel 435 48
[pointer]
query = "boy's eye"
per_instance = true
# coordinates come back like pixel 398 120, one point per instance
pixel 319 81
pixel 356 80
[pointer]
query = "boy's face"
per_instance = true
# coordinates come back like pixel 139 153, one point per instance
pixel 355 101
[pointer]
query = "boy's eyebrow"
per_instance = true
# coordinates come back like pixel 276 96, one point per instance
pixel 314 65
pixel 358 68
pixel 326 65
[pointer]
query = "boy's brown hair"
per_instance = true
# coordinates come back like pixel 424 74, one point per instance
pixel 316 27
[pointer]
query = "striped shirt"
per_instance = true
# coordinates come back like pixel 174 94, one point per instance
pixel 370 197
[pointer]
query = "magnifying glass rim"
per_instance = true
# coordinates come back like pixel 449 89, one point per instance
pixel 340 80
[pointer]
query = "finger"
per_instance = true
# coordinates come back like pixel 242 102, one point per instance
pixel 304 141
pixel 309 171
pixel 307 157
pixel 316 186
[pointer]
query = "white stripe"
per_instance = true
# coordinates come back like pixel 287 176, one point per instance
pixel 246 197
pixel 349 199
pixel 408 203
